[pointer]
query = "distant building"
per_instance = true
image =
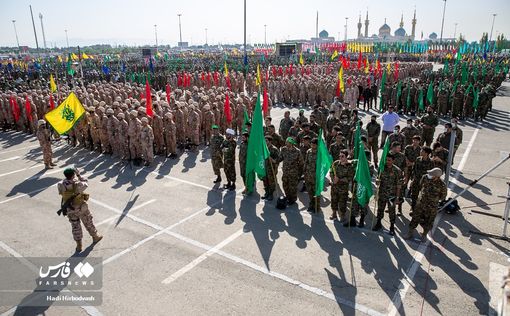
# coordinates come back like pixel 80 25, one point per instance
pixel 384 35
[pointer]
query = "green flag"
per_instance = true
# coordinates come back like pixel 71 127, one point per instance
pixel 70 70
pixel 246 120
pixel 363 178
pixel 464 77
pixel 454 88
pixel 421 106
pixel 257 152
pixel 383 87
pixel 430 93
pixel 475 99
pixel 386 149
pixel 399 92
pixel 445 68
pixel 322 165
pixel 357 138
pixel 408 99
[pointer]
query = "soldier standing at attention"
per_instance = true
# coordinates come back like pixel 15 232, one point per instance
pixel 342 173
pixel 373 131
pixel 271 169
pixel 292 168
pixel 77 209
pixel 229 159
pixel 429 121
pixel 43 135
pixel 389 184
pixel 433 190
pixel 243 152
pixel 309 170
pixel 216 142
pixel 147 141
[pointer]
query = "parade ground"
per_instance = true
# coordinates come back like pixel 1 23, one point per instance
pixel 177 244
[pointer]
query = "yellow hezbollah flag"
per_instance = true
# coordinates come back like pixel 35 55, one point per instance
pixel 341 79
pixel 258 80
pixel 63 117
pixel 85 56
pixel 226 70
pixel 335 53
pixel 53 86
pixel 301 60
pixel 59 59
pixel 74 56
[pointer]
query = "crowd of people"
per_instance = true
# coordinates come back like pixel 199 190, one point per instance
pixel 193 110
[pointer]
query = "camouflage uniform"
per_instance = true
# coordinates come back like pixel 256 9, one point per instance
pixel 340 190
pixel 420 168
pixel 336 148
pixel 243 151
pixel 216 153
pixel 147 141
pixel 430 121
pixel 285 126
pixel 43 135
pixel 78 212
pixel 432 191
pixel 292 170
pixel 373 131
pixel 271 170
pixel 309 170
pixel 229 159
pixel 390 182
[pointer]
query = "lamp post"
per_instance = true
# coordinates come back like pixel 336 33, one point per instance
pixel 442 22
pixel 492 27
pixel 205 36
pixel 265 33
pixel 67 40
pixel 156 34
pixel 42 28
pixel 15 32
pixel 180 31
pixel 346 18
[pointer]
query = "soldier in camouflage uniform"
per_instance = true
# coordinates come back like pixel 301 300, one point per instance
pixel 122 136
pixel 420 167
pixel 147 141
pixel 170 135
pixel 292 169
pixel 270 180
pixel 309 171
pixel 399 160
pixel 389 184
pixel 342 173
pixel 409 132
pixel 429 122
pixel 411 152
pixel 216 143
pixel 229 159
pixel 373 132
pixel 439 156
pixel 43 135
pixel 285 125
pixel 78 211
pixel 337 146
pixel 243 151
pixel 432 190
pixel 397 136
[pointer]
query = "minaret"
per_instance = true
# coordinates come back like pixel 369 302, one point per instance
pixel 359 26
pixel 402 20
pixel 414 25
pixel 366 25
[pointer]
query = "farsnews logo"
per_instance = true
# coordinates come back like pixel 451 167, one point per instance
pixel 63 270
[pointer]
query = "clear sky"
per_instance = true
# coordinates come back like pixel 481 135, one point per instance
pixel 131 22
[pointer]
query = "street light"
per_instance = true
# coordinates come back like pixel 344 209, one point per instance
pixel 42 28
pixel 180 32
pixel 156 34
pixel 67 40
pixel 492 27
pixel 206 36
pixel 442 22
pixel 346 18
pixel 265 29
pixel 15 32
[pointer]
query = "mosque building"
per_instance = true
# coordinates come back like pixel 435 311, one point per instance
pixel 384 35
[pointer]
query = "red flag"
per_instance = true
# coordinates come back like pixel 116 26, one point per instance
pixel 338 88
pixel 226 109
pixel 14 108
pixel 28 109
pixel 168 93
pixel 265 103
pixel 396 71
pixel 227 80
pixel 52 103
pixel 148 99
pixel 291 71
pixel 360 58
pixel 179 81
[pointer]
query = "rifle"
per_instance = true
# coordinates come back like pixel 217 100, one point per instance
pixel 67 204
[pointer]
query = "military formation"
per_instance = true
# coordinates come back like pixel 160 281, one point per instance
pixel 215 113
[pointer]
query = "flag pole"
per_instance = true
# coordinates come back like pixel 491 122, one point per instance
pixel 354 188
pixel 376 200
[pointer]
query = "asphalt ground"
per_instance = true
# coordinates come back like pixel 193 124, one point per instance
pixel 176 244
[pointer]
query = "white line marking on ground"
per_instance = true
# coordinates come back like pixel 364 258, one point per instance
pixel 180 180
pixel 407 280
pixel 202 257
pixel 264 270
pixel 135 218
pixel 91 310
pixel 9 159
pixel 119 211
pixel 18 149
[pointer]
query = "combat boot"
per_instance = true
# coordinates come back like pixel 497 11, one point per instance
pixel 226 186
pixel 351 222
pixel 378 225
pixel 269 197
pixel 361 223
pixel 96 238
pixel 392 229
pixel 410 233
pixel 232 187
pixel 424 234
pixel 218 179
pixel 79 246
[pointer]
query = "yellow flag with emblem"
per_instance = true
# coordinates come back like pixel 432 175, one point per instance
pixel 258 80
pixel 53 86
pixel 85 56
pixel 301 60
pixel 63 117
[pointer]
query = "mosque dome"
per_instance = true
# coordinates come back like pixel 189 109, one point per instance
pixel 400 32
pixel 323 34
pixel 433 36
pixel 384 30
